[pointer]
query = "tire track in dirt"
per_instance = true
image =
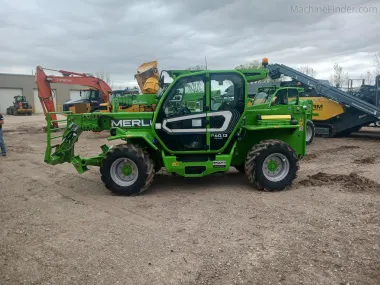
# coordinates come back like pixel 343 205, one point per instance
pixel 315 155
pixel 42 173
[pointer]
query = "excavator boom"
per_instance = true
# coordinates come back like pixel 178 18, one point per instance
pixel 45 95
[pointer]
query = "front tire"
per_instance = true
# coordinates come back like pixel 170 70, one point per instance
pixel 310 132
pixel 127 170
pixel 271 165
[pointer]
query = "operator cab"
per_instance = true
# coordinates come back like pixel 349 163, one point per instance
pixel 199 112
pixel 20 99
pixel 273 96
pixel 91 94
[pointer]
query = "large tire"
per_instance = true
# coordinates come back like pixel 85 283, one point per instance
pixel 127 170
pixel 310 132
pixel 271 155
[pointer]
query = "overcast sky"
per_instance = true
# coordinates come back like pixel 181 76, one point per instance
pixel 116 36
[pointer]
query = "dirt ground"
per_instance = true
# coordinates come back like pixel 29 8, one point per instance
pixel 60 227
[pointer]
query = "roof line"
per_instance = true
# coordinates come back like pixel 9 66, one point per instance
pixel 17 74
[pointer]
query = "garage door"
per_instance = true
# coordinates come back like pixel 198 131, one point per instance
pixel 6 98
pixel 75 95
pixel 37 104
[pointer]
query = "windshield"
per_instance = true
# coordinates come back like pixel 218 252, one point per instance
pixel 263 96
pixel 165 81
pixel 89 94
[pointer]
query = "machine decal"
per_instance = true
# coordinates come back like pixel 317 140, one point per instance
pixel 131 123
pixel 226 114
pixel 219 136
pixel 219 163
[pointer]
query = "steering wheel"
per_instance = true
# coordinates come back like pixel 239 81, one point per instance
pixel 185 110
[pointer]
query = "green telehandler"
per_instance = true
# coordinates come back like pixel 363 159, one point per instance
pixel 190 135
pixel 269 94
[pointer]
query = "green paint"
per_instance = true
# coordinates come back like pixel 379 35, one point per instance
pixel 272 166
pixel 249 130
pixel 127 169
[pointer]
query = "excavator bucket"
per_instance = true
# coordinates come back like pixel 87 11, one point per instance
pixel 147 77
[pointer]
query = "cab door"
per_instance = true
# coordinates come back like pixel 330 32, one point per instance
pixel 227 105
pixel 181 120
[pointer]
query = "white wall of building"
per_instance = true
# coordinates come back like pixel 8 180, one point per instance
pixel 6 98
pixel 37 104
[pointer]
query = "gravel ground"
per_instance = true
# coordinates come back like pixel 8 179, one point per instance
pixel 59 227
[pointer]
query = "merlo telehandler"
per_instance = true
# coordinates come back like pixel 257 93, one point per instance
pixel 294 95
pixel 189 136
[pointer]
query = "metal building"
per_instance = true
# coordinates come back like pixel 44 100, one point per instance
pixel 20 84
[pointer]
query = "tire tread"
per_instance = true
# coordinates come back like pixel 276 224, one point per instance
pixel 251 162
pixel 137 152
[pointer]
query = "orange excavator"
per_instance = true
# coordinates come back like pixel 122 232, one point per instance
pixel 97 94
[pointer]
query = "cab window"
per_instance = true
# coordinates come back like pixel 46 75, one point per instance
pixel 186 97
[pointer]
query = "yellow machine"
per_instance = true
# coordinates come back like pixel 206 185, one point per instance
pixel 147 77
pixel 325 109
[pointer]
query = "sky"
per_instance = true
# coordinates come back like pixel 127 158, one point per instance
pixel 116 36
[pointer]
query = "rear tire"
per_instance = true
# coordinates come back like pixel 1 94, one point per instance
pixel 127 170
pixel 310 132
pixel 271 165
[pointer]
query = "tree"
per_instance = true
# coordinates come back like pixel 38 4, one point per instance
pixel 197 67
pixel 308 70
pixel 255 64
pixel 339 78
pixel 105 76
pixel 198 86
pixel 377 63
pixel 369 77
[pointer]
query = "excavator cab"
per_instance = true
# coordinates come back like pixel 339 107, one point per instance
pixel 90 101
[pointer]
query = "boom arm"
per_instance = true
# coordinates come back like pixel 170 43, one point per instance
pixel 275 71
pixel 44 90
